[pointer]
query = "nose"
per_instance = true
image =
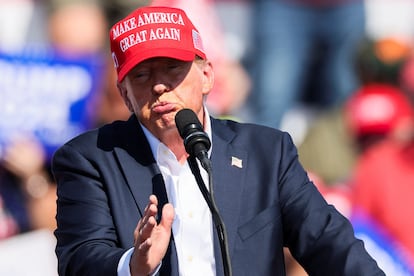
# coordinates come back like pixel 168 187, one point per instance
pixel 160 88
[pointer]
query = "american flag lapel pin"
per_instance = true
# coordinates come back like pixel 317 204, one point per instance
pixel 236 162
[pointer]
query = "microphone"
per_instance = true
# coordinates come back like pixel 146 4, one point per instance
pixel 196 141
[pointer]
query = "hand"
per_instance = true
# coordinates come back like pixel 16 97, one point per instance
pixel 151 239
pixel 24 157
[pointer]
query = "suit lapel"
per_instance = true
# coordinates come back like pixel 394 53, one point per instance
pixel 229 165
pixel 136 161
pixel 144 178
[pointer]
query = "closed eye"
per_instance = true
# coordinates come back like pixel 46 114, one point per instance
pixel 141 75
pixel 175 65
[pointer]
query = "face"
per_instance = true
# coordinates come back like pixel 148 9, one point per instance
pixel 156 89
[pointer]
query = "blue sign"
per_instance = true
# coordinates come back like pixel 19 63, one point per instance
pixel 389 254
pixel 46 94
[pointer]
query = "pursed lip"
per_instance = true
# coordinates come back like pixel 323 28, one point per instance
pixel 163 107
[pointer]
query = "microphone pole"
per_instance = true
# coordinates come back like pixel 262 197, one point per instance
pixel 197 143
pixel 209 197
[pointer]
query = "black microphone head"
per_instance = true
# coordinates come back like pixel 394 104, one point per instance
pixel 186 120
pixel 191 130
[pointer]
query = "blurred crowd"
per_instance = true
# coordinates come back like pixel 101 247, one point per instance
pixel 337 75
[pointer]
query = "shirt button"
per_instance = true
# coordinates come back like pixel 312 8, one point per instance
pixel 190 215
pixel 190 259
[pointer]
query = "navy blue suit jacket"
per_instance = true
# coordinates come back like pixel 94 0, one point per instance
pixel 105 177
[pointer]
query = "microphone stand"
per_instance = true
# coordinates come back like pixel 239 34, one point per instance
pixel 209 197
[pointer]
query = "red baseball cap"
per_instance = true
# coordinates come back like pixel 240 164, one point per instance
pixel 151 32
pixel 377 109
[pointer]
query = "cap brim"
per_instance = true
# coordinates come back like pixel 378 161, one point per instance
pixel 133 61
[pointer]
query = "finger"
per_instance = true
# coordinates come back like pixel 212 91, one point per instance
pixel 143 248
pixel 153 199
pixel 150 209
pixel 167 216
pixel 146 230
pixel 149 212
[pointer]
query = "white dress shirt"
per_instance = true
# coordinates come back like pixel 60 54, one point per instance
pixel 192 226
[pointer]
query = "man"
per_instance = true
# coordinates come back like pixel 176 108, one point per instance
pixel 107 178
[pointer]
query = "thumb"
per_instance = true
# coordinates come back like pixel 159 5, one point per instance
pixel 167 215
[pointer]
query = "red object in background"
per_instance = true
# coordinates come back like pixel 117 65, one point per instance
pixel 383 188
pixel 377 109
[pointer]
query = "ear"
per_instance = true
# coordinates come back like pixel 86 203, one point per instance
pixel 208 77
pixel 124 94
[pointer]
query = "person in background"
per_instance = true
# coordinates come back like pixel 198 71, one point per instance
pixel 347 130
pixel 86 37
pixel 376 112
pixel 382 182
pixel 304 45
pixel 77 27
pixel 27 188
pixel 129 204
